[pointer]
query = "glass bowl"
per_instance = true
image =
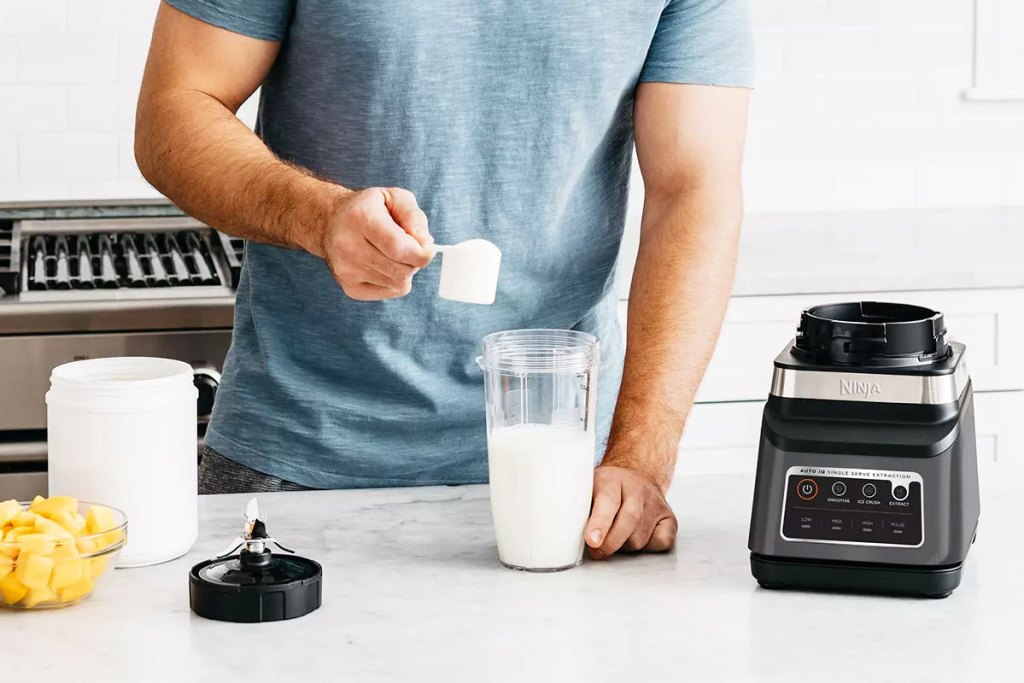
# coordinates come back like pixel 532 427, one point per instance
pixel 55 562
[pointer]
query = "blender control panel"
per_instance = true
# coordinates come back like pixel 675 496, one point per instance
pixel 853 507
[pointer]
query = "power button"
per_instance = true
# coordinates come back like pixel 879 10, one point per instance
pixel 807 489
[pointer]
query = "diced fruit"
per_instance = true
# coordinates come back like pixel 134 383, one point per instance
pixel 9 549
pixel 85 545
pixel 97 565
pixel 25 518
pixel 72 521
pixel 80 589
pixel 12 589
pixel 6 566
pixel 50 506
pixel 108 539
pixel 34 570
pixel 39 595
pixel 48 526
pixel 8 509
pixel 65 573
pixel 99 519
pixel 37 544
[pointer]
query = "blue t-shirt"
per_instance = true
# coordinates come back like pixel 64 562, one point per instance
pixel 510 121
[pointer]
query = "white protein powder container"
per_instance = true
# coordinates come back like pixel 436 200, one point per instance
pixel 122 432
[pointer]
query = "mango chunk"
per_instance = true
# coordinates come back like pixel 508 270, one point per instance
pixel 66 573
pixel 48 526
pixel 96 566
pixel 6 566
pixel 37 544
pixel 48 507
pixel 11 589
pixel 9 549
pixel 34 570
pixel 8 509
pixel 25 518
pixel 77 591
pixel 36 596
pixel 99 519
pixel 73 522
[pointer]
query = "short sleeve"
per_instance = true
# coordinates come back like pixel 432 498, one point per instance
pixel 263 19
pixel 704 42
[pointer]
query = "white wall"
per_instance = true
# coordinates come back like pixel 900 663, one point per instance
pixel 858 106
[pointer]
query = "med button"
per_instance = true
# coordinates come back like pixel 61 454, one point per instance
pixel 807 489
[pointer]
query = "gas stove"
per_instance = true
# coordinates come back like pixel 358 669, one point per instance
pixel 91 280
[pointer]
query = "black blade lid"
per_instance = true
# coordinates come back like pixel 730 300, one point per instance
pixel 255 587
pixel 871 333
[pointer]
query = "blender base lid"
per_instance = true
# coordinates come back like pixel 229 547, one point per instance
pixel 223 590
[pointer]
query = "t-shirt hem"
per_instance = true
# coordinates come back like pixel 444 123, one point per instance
pixel 671 73
pixel 247 26
pixel 317 479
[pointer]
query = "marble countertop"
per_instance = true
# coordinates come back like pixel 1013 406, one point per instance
pixel 413 591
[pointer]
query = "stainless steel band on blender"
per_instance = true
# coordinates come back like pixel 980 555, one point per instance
pixel 875 388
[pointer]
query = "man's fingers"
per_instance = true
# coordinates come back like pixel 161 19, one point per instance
pixel 388 273
pixel 383 233
pixel 407 213
pixel 626 522
pixel 641 535
pixel 602 513
pixel 664 535
pixel 365 291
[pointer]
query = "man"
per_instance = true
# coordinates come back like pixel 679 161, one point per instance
pixel 510 121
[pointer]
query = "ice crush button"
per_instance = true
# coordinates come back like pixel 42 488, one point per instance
pixel 869 490
pixel 900 492
pixel 807 489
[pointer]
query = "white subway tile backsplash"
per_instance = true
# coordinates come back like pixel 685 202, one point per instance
pixel 8 157
pixel 33 108
pixel 871 186
pixel 127 169
pixel 67 59
pixel 111 16
pixel 955 184
pixel 1013 185
pixel 131 56
pixel 829 50
pixel 854 12
pixel 23 17
pixel 114 189
pixel 872 95
pixel 31 191
pixel 103 106
pixel 84 157
pixel 902 13
pixel 770 49
pixel 8 59
pixel 937 48
pixel 779 187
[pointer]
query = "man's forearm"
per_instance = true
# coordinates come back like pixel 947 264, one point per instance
pixel 680 290
pixel 196 152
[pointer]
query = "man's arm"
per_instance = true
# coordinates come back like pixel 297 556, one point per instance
pixel 689 141
pixel 190 145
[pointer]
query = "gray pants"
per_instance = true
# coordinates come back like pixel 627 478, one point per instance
pixel 217 474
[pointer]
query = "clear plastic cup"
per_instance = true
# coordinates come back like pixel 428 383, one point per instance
pixel 541 399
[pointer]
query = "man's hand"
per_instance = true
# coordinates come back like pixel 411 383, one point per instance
pixel 375 242
pixel 629 512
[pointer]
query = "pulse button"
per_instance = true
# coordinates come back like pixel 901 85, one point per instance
pixel 900 492
pixel 869 490
pixel 807 489
pixel 839 488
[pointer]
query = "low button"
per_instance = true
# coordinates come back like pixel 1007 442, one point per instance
pixel 807 489
pixel 869 490
pixel 839 488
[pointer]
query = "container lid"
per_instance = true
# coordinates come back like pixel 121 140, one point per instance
pixel 255 585
pixel 871 333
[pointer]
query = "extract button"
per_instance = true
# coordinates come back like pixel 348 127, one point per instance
pixel 900 492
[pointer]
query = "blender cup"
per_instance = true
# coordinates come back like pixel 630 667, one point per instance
pixel 541 400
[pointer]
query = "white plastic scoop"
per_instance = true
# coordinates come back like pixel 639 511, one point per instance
pixel 469 271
